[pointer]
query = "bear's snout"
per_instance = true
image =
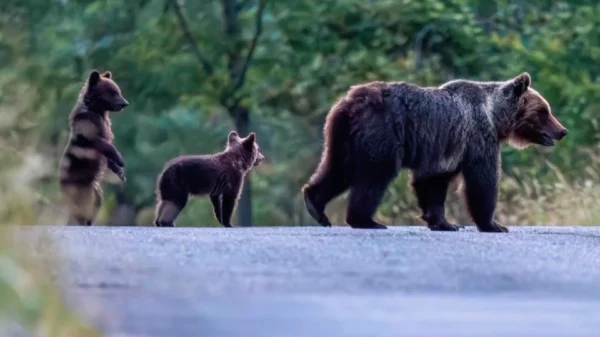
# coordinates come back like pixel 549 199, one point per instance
pixel 555 129
pixel 259 159
pixel 120 104
pixel 558 134
pixel 124 103
pixel 562 134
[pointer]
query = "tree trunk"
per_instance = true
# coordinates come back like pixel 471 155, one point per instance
pixel 244 207
pixel 237 65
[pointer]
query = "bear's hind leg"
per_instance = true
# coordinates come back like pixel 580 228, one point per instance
pixel 370 182
pixel 431 196
pixel 363 203
pixel 81 203
pixel 317 195
pixel 76 220
pixel 98 198
pixel 166 213
pixel 366 194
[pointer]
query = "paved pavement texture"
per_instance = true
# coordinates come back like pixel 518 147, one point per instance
pixel 312 281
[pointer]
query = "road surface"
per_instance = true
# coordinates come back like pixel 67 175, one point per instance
pixel 311 281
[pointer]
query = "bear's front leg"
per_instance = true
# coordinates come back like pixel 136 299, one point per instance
pixel 229 199
pixel 431 196
pixel 116 169
pixel 481 182
pixel 109 151
pixel 216 202
pixel 227 208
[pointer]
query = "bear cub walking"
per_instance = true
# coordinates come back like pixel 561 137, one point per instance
pixel 89 150
pixel 379 128
pixel 220 176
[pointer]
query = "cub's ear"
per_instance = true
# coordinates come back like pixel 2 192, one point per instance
pixel 233 137
pixel 249 141
pixel 520 84
pixel 107 74
pixel 94 78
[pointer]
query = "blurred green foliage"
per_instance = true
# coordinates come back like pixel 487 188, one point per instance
pixel 29 304
pixel 308 53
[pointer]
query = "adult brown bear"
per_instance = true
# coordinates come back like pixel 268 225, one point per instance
pixel 379 128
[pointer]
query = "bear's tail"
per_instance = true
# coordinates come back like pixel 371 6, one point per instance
pixel 336 158
pixel 336 134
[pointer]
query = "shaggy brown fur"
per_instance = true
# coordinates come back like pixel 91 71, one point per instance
pixel 89 149
pixel 379 128
pixel 220 176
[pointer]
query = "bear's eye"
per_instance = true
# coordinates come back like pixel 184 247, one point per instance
pixel 542 114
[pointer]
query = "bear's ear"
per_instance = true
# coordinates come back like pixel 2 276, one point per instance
pixel 520 84
pixel 249 141
pixel 233 136
pixel 94 78
pixel 107 74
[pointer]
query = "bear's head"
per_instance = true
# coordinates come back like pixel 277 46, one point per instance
pixel 102 94
pixel 248 146
pixel 531 118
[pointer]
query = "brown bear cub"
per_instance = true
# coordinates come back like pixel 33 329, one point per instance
pixel 89 149
pixel 379 128
pixel 220 176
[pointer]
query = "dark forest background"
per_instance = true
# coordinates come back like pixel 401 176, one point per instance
pixel 194 70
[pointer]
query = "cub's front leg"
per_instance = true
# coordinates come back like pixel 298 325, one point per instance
pixel 116 169
pixel 109 151
pixel 229 200
pixel 114 159
pixel 216 201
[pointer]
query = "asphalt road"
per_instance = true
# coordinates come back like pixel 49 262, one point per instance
pixel 309 281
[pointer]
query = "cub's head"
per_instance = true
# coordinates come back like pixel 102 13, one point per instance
pixel 101 93
pixel 248 146
pixel 532 121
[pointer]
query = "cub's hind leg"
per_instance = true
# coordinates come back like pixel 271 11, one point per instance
pixel 81 203
pixel 97 202
pixel 167 212
pixel 171 200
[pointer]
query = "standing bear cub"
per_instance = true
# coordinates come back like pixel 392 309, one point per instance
pixel 89 150
pixel 379 128
pixel 220 176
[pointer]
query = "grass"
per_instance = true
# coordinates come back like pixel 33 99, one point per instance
pixel 560 204
pixel 522 200
pixel 31 303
